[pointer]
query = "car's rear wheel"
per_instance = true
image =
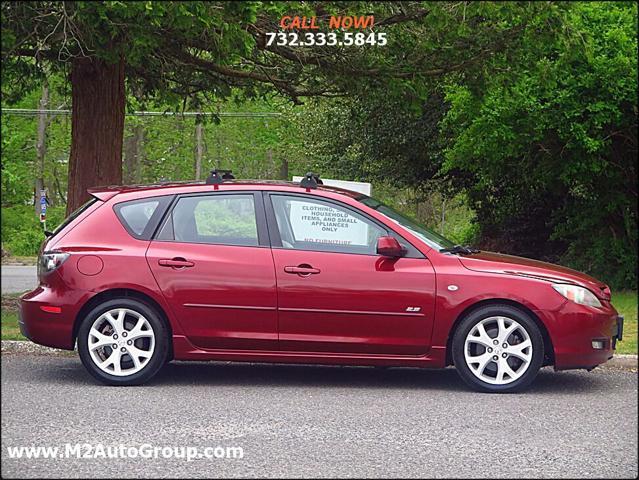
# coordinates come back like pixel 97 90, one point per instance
pixel 498 349
pixel 123 342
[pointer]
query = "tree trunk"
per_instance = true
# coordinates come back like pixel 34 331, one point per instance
pixel 283 173
pixel 198 148
pixel 41 147
pixel 133 154
pixel 97 127
pixel 57 186
pixel 441 230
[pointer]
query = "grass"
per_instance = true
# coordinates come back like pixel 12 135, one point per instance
pixel 626 305
pixel 19 260
pixel 9 314
pixel 624 302
pixel 10 329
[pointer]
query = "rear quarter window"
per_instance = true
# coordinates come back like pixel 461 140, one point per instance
pixel 141 217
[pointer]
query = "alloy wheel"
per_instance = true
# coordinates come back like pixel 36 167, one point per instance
pixel 121 342
pixel 498 350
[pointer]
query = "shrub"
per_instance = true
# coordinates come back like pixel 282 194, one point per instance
pixel 22 232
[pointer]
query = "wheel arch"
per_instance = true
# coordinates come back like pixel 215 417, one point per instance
pixel 122 293
pixel 549 350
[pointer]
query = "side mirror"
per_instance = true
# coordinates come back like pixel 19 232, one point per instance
pixel 390 247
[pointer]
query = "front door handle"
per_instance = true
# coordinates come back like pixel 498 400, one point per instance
pixel 303 270
pixel 176 262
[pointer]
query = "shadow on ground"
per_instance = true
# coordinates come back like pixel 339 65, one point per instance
pixel 181 374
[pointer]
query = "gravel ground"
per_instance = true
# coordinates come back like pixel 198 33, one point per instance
pixel 316 421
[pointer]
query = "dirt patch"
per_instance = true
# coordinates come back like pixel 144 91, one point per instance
pixel 10 302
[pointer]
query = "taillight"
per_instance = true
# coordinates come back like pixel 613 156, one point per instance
pixel 49 261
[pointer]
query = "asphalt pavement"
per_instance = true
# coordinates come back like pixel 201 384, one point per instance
pixel 18 278
pixel 314 421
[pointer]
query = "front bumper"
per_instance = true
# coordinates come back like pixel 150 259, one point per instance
pixel 583 337
pixel 47 315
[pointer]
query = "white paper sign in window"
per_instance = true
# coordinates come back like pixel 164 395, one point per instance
pixel 319 223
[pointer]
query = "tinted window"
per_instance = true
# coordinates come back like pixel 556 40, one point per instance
pixel 217 219
pixel 137 215
pixel 309 224
pixel 432 239
pixel 141 217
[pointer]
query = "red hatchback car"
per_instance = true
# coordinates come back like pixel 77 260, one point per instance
pixel 265 271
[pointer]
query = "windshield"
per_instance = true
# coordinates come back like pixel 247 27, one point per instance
pixel 432 239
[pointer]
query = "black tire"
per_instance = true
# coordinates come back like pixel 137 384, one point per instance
pixel 469 322
pixel 154 364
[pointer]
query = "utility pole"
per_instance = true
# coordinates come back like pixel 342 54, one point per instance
pixel 41 147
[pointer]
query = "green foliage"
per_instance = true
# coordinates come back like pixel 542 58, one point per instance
pixel 22 232
pixel 626 304
pixel 541 140
pixel 193 49
pixel 553 147
pixel 226 218
pixel 10 327
pixel 19 137
pixel 253 147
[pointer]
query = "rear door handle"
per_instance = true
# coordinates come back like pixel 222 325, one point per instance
pixel 302 270
pixel 177 262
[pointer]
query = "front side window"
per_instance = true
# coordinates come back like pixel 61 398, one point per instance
pixel 310 224
pixel 215 219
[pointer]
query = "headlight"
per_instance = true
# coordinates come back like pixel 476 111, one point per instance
pixel 579 295
pixel 49 261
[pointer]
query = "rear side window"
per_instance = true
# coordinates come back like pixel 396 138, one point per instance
pixel 141 217
pixel 227 219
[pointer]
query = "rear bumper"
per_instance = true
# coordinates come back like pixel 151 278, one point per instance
pixel 574 328
pixel 53 325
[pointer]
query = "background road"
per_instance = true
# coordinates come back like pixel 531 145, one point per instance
pixel 18 278
pixel 321 421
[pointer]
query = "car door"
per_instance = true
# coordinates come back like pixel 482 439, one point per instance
pixel 212 262
pixel 335 293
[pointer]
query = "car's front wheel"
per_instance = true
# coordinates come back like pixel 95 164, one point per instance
pixel 498 348
pixel 123 342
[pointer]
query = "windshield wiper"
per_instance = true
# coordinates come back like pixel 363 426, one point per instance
pixel 459 249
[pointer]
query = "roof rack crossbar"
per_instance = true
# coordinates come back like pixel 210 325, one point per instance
pixel 310 181
pixel 217 176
